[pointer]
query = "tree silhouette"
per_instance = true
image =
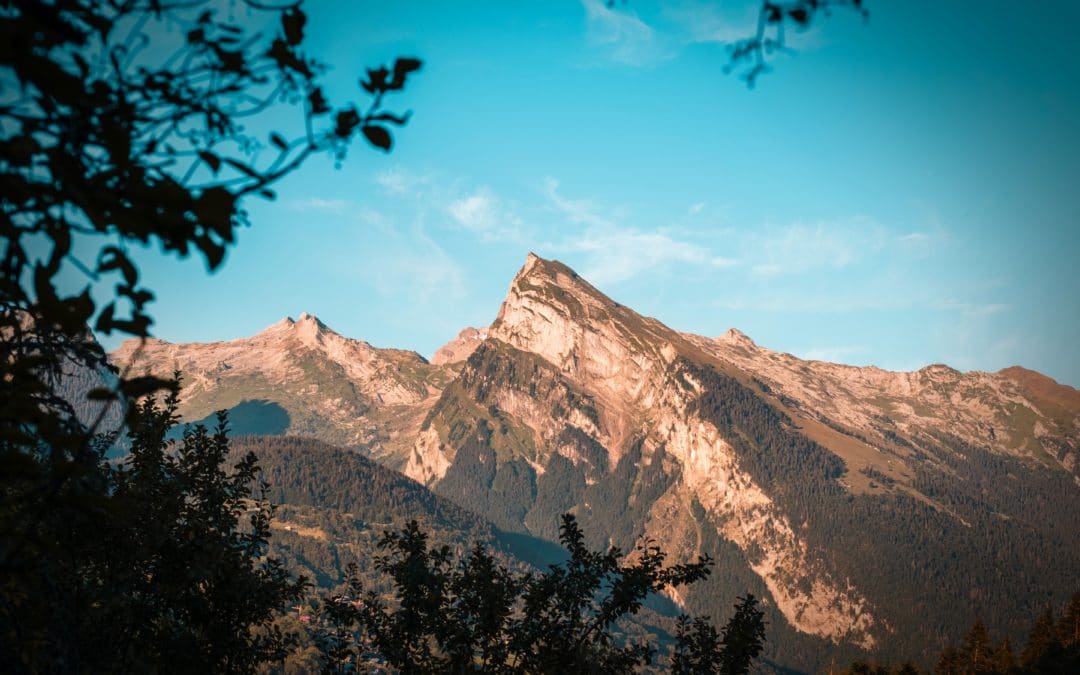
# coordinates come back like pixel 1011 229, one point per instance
pixel 1051 648
pixel 1042 647
pixel 477 615
pixel 976 651
pixel 162 569
pixel 123 122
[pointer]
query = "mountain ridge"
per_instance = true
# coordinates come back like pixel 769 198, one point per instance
pixel 801 473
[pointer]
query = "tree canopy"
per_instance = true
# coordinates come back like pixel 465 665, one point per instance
pixel 476 615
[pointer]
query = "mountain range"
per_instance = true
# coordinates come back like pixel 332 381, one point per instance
pixel 873 511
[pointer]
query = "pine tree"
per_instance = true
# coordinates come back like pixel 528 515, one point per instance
pixel 951 662
pixel 976 649
pixel 1003 659
pixel 1042 651
pixel 1069 626
pixel 1069 635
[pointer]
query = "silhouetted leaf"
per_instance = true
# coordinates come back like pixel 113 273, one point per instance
pixel 376 80
pixel 317 102
pixel 402 68
pixel 212 160
pixel 144 384
pixel 799 15
pixel 346 122
pixel 242 168
pixel 378 136
pixel 112 258
pixel 292 24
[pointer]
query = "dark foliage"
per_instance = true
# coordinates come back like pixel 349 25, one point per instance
pixel 306 472
pixel 1052 647
pixel 161 569
pixel 123 123
pixel 751 55
pixel 474 614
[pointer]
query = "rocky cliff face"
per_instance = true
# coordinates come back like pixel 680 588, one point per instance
pixel 852 499
pixel 599 383
pixel 314 381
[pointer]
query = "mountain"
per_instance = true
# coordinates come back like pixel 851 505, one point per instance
pixel 461 347
pixel 301 378
pixel 872 510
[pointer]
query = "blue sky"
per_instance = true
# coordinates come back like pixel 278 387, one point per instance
pixel 897 193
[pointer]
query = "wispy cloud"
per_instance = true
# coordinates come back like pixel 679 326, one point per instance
pixel 629 38
pixel 342 211
pixel 577 211
pixel 623 36
pixel 397 181
pixel 699 21
pixel 475 212
pixel 615 252
pixel 336 207
pixel 484 213
pixel 621 254
pixel 413 267
pixel 972 310
pixel 800 248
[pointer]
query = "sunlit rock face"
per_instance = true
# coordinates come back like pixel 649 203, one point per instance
pixel 849 499
pixel 570 382
pixel 334 388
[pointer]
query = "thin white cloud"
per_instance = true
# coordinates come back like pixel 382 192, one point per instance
pixel 415 268
pixel 344 210
pixel 792 301
pixel 972 310
pixel 623 36
pixel 337 207
pixel 484 213
pixel 475 212
pixel 577 211
pixel 700 21
pixel 914 238
pixel 615 252
pixel 618 255
pixel 799 248
pixel 397 181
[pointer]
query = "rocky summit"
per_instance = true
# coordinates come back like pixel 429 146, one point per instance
pixel 871 510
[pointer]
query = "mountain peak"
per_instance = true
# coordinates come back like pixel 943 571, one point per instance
pixel 306 323
pixel 461 347
pixel 540 273
pixel 734 336
pixel 310 319
pixel 284 324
